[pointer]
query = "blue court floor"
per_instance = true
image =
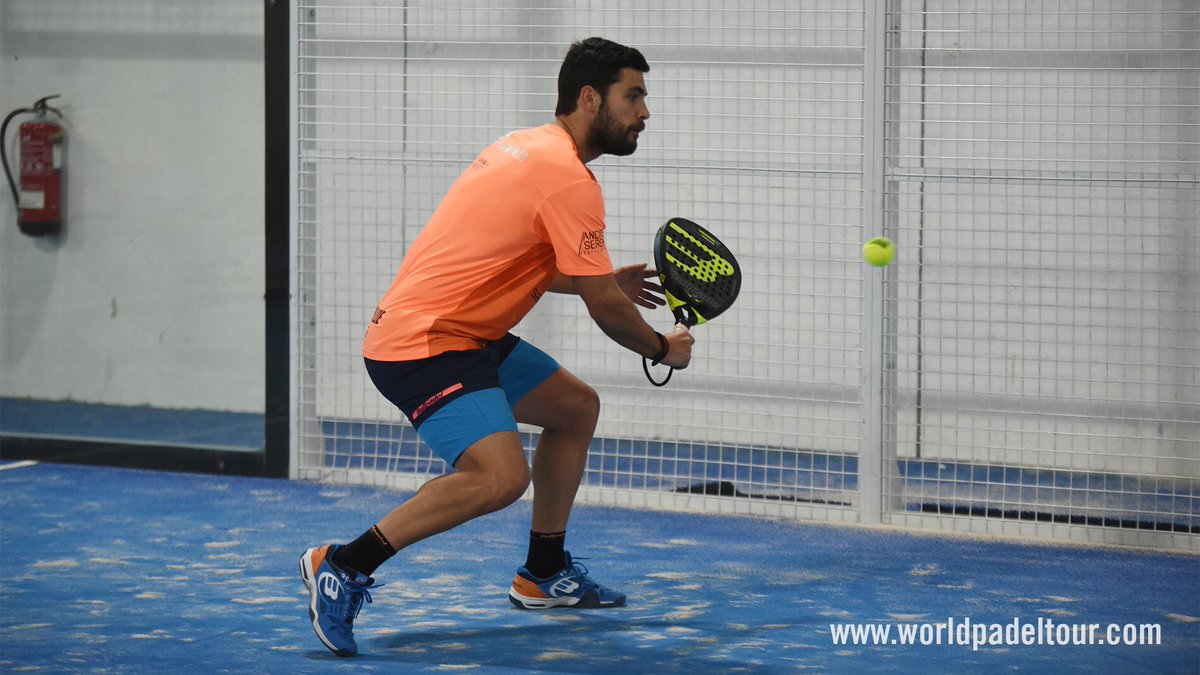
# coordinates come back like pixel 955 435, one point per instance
pixel 120 571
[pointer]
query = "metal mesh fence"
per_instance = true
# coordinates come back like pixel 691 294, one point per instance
pixel 1042 189
pixel 1037 349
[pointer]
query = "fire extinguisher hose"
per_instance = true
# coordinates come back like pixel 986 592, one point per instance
pixel 4 153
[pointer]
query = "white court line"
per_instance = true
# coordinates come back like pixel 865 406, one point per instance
pixel 17 465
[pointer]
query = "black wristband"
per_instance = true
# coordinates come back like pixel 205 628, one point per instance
pixel 662 354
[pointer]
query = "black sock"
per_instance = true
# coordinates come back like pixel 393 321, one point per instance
pixel 365 554
pixel 545 553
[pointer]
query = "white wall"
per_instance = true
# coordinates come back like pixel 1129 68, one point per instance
pixel 153 294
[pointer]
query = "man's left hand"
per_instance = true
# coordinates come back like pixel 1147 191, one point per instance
pixel 633 282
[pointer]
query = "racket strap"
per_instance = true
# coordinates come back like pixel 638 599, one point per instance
pixel 646 370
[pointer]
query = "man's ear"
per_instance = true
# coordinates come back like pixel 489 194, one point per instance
pixel 589 99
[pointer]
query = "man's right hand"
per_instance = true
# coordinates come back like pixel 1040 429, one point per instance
pixel 679 347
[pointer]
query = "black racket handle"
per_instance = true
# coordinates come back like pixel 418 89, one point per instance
pixel 686 316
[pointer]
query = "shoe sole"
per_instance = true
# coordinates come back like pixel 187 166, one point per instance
pixel 308 574
pixel 590 600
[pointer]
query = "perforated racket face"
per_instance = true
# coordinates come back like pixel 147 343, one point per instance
pixel 700 275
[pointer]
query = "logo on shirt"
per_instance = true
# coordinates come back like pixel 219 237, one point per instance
pixel 515 151
pixel 591 242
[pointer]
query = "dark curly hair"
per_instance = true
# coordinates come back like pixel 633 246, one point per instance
pixel 596 62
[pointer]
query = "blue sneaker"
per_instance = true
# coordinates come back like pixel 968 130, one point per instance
pixel 335 596
pixel 571 587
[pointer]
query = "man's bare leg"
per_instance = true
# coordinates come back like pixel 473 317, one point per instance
pixel 489 476
pixel 567 409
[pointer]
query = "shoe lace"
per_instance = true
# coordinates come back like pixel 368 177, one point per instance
pixel 354 603
pixel 582 571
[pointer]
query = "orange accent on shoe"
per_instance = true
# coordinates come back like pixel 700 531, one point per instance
pixel 318 557
pixel 527 588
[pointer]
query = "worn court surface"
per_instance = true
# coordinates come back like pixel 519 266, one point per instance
pixel 118 571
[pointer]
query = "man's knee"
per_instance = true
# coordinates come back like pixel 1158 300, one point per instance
pixel 564 403
pixel 497 471
pixel 577 410
pixel 506 488
pixel 580 404
pixel 588 403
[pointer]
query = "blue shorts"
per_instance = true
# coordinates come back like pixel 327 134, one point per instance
pixel 456 398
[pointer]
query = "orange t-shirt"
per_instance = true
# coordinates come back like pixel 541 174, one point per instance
pixel 524 210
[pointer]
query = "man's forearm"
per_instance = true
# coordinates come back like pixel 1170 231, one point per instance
pixel 623 324
pixel 615 313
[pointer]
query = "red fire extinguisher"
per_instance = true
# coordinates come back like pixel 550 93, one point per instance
pixel 39 195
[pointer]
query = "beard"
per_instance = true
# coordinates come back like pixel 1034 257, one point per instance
pixel 609 137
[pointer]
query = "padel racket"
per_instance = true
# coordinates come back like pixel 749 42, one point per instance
pixel 699 275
